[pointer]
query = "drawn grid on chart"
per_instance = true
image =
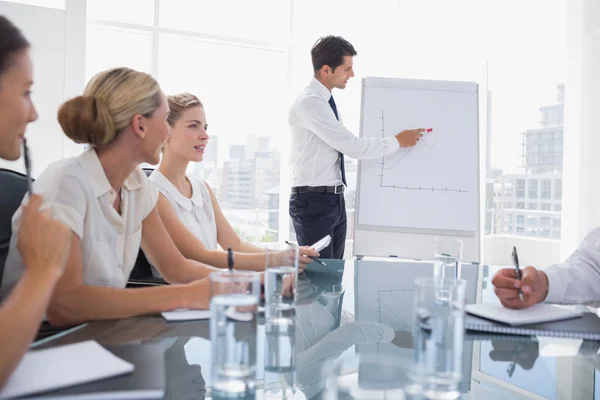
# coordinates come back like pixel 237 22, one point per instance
pixel 422 142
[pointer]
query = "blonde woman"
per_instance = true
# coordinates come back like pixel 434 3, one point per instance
pixel 188 207
pixel 109 205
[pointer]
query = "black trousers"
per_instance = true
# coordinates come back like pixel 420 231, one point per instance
pixel 316 215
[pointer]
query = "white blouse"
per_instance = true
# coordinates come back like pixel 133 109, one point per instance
pixel 78 193
pixel 196 213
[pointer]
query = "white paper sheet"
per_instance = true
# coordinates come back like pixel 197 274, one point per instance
pixel 61 367
pixel 185 314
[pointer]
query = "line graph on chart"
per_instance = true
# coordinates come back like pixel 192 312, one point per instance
pixel 428 142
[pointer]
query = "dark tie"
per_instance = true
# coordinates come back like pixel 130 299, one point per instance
pixel 343 168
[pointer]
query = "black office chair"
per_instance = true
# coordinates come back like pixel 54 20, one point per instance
pixel 141 274
pixel 13 187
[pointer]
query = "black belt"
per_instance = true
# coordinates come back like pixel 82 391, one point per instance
pixel 339 189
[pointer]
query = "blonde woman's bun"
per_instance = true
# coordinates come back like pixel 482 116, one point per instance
pixel 87 119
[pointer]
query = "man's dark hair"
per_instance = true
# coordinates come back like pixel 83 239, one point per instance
pixel 11 42
pixel 330 50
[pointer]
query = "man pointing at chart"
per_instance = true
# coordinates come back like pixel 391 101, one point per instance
pixel 577 280
pixel 319 143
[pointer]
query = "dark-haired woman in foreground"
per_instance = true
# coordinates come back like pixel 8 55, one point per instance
pixel 42 242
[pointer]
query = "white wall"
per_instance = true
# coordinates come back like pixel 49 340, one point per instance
pixel 58 51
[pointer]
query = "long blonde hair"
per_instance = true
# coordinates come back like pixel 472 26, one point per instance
pixel 109 102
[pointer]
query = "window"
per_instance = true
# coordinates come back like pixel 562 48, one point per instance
pixel 558 189
pixel 266 20
pixel 109 47
pixel 558 207
pixel 546 207
pixel 245 110
pixel 532 189
pixel 520 229
pixel 520 219
pixel 508 218
pixel 546 233
pixel 531 220
pixel 546 192
pixel 254 163
pixel 139 12
pixel 545 221
pixel 236 54
pixel 508 205
pixel 532 206
pixel 557 222
pixel 520 188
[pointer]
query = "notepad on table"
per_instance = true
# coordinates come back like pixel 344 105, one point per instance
pixel 64 366
pixel 186 314
pixel 535 314
pixel 539 320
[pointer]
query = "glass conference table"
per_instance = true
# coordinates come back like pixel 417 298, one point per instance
pixel 334 325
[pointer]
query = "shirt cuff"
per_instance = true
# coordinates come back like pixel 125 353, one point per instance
pixel 392 144
pixel 556 287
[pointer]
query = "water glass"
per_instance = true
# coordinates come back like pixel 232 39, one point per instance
pixel 281 282
pixel 447 254
pixel 280 358
pixel 439 311
pixel 234 303
pixel 281 277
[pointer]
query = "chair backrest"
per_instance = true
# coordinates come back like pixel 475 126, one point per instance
pixel 13 187
pixel 142 268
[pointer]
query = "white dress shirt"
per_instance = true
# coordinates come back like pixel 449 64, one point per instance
pixel 78 194
pixel 577 280
pixel 318 138
pixel 197 213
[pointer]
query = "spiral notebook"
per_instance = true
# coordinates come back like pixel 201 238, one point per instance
pixel 571 324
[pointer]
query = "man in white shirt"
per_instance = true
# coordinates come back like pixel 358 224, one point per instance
pixel 319 143
pixel 577 280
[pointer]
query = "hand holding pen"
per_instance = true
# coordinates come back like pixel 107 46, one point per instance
pixel 518 288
